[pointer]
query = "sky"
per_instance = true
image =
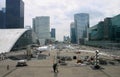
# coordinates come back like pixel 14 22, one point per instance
pixel 62 12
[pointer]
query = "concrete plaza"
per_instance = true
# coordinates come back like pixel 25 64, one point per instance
pixel 43 68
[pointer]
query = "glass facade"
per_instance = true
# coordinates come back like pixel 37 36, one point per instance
pixel 23 41
pixel 53 33
pixel 14 14
pixel 2 20
pixel 116 28
pixel 72 33
pixel 81 25
pixel 41 26
pixel 96 32
pixel 107 30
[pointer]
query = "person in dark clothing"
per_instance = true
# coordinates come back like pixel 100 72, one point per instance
pixel 55 69
pixel 7 67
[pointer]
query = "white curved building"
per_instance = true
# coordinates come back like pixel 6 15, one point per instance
pixel 9 37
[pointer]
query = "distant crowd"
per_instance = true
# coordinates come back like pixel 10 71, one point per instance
pixel 2 56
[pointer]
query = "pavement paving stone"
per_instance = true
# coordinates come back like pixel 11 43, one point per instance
pixel 43 68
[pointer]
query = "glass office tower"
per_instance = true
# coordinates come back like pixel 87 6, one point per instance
pixel 72 33
pixel 2 19
pixel 41 26
pixel 53 31
pixel 14 14
pixel 81 26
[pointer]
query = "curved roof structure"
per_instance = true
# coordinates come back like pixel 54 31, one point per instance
pixel 8 37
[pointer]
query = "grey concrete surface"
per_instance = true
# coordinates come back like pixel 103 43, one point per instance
pixel 43 68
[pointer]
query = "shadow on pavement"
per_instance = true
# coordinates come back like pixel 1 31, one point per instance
pixel 17 57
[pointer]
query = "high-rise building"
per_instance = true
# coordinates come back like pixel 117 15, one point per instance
pixel 72 33
pixel 53 33
pixel 14 14
pixel 96 32
pixel 116 28
pixel 66 39
pixel 41 26
pixel 107 29
pixel 2 19
pixel 81 26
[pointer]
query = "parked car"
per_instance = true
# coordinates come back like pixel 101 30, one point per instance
pixel 21 63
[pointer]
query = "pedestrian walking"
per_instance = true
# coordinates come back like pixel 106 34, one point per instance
pixel 7 67
pixel 49 54
pixel 55 67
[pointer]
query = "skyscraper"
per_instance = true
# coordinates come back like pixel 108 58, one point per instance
pixel 81 25
pixel 53 33
pixel 72 33
pixel 14 14
pixel 2 18
pixel 41 26
pixel 107 29
pixel 66 39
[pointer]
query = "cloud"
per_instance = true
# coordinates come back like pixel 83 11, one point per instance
pixel 62 12
pixel 2 4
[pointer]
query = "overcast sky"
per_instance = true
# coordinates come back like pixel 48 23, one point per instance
pixel 62 12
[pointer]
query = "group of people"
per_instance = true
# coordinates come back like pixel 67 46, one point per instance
pixel 2 56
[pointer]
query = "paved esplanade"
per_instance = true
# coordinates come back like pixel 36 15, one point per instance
pixel 43 68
